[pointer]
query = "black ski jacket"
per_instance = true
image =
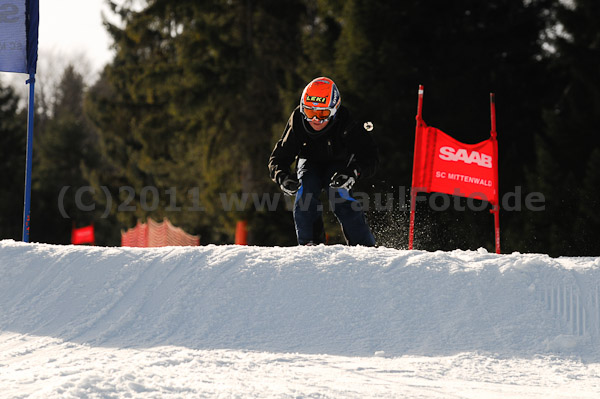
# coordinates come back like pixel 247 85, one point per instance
pixel 342 140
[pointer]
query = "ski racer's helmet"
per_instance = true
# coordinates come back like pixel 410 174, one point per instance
pixel 320 99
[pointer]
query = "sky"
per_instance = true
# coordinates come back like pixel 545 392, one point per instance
pixel 72 28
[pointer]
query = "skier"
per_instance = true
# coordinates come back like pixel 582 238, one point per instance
pixel 331 152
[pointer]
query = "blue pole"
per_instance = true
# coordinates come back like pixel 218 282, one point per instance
pixel 29 158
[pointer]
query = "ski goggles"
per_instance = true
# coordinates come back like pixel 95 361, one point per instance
pixel 321 114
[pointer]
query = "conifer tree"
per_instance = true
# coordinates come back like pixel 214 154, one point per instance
pixel 198 91
pixel 460 52
pixel 568 149
pixel 63 150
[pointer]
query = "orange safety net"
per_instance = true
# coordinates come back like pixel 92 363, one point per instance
pixel 157 234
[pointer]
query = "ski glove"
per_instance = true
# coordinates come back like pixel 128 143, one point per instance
pixel 345 179
pixel 289 184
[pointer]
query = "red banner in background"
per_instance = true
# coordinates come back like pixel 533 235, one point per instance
pixel 83 235
pixel 445 165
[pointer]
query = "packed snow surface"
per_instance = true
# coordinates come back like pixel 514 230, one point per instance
pixel 297 322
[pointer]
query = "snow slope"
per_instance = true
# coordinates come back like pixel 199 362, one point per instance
pixel 98 322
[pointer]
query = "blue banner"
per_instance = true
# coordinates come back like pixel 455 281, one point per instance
pixel 19 21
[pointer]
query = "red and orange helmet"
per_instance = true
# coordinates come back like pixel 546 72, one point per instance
pixel 320 99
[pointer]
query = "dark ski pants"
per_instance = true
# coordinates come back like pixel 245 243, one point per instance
pixel 308 210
